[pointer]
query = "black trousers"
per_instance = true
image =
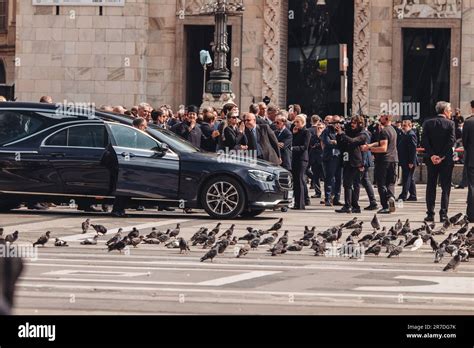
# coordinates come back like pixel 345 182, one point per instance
pixel 318 175
pixel 408 182
pixel 332 179
pixel 299 171
pixel 351 184
pixel 367 185
pixel 470 193
pixel 386 177
pixel 444 172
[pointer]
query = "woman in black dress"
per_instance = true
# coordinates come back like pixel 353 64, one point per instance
pixel 300 158
pixel 233 136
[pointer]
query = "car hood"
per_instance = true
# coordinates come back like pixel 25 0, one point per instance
pixel 218 158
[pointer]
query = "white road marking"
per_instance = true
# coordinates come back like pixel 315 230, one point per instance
pixel 236 278
pixel 48 224
pixel 101 273
pixel 82 236
pixel 443 285
pixel 36 284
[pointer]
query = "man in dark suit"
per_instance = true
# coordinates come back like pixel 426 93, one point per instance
pixel 316 154
pixel 438 141
pixel 262 140
pixel 189 128
pixel 468 143
pixel 209 134
pixel 408 161
pixel 285 141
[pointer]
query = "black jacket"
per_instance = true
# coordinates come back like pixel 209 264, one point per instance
pixel 300 147
pixel 208 143
pixel 287 139
pixel 194 137
pixel 268 143
pixel 352 155
pixel 438 138
pixel 232 139
pixel 468 141
pixel 315 147
pixel 407 149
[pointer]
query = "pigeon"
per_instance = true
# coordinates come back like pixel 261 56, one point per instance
pixel 90 241
pixel 453 264
pixel 43 239
pixel 375 222
pixel 173 244
pixel 115 238
pixel 451 249
pixel 319 249
pixel 462 230
pixel 276 226
pixel 374 249
pixel 153 233
pixel 448 240
pixel 308 234
pixel 278 249
pixel 216 229
pixel 396 250
pixel 433 244
pixel 120 245
pixel 60 243
pixel 417 244
pixel 199 234
pixel 304 242
pixel 249 236
pixel 398 226
pixel 164 237
pixel 350 223
pixel 254 243
pixel 228 233
pixel 183 246
pixel 211 254
pixel 233 241
pixel 134 233
pixel 407 224
pixel 99 229
pixel 136 241
pixel 464 253
pixel 295 247
pixel 381 234
pixel 211 239
pixel 368 237
pixel 413 240
pixel 85 226
pixel 243 250
pixel 284 239
pixel 356 232
pixel 442 230
pixel 439 254
pixel 453 220
pixel 11 238
pixel 270 239
pixel 174 233
pixel 151 241
pixel 335 236
pixel 223 244
pixel 463 221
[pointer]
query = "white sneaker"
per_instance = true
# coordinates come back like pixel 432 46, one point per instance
pixel 391 204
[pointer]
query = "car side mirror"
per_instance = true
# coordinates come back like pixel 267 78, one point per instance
pixel 164 148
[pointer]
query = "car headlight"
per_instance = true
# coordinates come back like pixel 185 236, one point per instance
pixel 260 175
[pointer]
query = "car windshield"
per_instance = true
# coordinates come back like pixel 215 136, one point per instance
pixel 173 141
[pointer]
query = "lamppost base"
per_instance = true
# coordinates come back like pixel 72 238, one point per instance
pixel 217 102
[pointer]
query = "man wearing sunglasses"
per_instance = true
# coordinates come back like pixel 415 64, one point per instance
pixel 261 139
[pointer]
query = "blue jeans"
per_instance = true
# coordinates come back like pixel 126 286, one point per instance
pixel 332 180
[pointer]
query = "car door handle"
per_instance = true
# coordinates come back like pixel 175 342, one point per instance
pixel 57 154
pixel 129 154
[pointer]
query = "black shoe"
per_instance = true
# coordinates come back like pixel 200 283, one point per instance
pixel 307 202
pixel 328 204
pixel 356 211
pixel 459 187
pixel 412 199
pixel 372 207
pixel 391 204
pixel 337 203
pixel 401 198
pixel 384 211
pixel 120 214
pixel 316 196
pixel 443 218
pixel 429 218
pixel 344 210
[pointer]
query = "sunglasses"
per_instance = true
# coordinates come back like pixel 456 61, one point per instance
pixel 233 117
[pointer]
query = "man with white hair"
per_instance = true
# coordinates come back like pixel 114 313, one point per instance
pixel 144 110
pixel 438 140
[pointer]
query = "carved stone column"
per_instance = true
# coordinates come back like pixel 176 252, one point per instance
pixel 271 49
pixel 360 87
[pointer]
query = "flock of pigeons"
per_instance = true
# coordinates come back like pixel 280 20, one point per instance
pixel 459 244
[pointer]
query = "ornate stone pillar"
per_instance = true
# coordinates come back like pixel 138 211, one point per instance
pixel 271 49
pixel 361 60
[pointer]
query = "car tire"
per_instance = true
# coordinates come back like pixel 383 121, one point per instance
pixel 252 213
pixel 223 197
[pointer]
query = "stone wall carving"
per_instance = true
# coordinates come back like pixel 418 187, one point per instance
pixel 360 89
pixel 189 7
pixel 427 9
pixel 271 49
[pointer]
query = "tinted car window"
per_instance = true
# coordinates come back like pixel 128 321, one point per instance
pixel 80 136
pixel 15 125
pixel 132 138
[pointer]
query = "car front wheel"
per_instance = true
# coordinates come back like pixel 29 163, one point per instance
pixel 223 197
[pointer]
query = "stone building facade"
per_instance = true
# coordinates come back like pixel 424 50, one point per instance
pixel 137 52
pixel 7 41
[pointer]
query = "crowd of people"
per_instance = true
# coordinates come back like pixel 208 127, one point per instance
pixel 333 153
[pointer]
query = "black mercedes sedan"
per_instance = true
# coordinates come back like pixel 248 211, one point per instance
pixel 61 154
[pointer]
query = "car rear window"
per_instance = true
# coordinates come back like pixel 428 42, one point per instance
pixel 16 125
pixel 94 136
